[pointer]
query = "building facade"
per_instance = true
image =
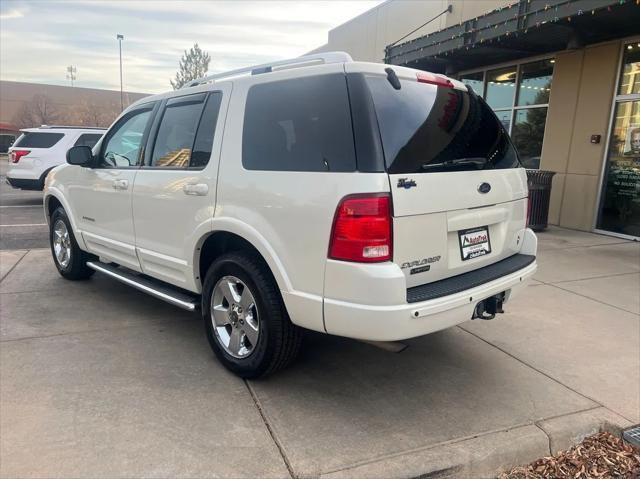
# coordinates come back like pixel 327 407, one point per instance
pixel 26 105
pixel 562 75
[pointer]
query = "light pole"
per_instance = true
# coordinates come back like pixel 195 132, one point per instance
pixel 120 38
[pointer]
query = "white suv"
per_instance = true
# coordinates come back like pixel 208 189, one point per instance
pixel 362 200
pixel 38 150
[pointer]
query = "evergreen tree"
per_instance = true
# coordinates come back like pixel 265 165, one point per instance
pixel 193 64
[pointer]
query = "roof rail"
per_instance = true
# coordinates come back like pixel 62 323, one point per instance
pixel 69 127
pixel 305 60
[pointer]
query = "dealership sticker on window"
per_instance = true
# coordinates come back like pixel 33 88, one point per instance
pixel 474 242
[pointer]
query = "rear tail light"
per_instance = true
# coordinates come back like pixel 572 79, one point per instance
pixel 17 154
pixel 426 77
pixel 362 229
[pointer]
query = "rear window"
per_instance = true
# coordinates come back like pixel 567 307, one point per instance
pixel 302 124
pixel 425 128
pixel 88 139
pixel 38 140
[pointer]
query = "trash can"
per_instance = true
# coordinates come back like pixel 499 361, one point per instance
pixel 539 195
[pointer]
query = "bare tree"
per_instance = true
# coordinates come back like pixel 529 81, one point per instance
pixel 44 109
pixel 39 111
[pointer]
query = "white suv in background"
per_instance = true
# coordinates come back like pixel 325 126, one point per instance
pixel 362 200
pixel 38 150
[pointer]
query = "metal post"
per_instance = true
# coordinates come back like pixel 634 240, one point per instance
pixel 120 38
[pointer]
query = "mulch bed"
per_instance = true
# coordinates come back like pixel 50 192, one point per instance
pixel 601 456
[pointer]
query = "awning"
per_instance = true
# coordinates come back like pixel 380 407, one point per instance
pixel 522 29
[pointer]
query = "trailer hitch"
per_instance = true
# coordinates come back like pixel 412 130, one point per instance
pixel 488 308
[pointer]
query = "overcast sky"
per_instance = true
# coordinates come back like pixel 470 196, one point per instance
pixel 39 38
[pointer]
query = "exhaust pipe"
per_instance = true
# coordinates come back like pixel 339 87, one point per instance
pixel 488 308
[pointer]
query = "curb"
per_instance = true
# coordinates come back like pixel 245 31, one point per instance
pixel 488 455
pixel 568 430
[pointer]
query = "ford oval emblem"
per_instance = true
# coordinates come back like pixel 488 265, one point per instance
pixel 484 188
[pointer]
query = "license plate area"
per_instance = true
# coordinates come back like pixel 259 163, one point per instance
pixel 474 242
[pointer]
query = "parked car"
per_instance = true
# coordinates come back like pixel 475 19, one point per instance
pixel 38 150
pixel 362 200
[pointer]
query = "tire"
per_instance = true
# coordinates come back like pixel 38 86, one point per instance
pixel 72 264
pixel 277 341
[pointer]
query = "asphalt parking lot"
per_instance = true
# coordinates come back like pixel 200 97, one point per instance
pixel 99 380
pixel 22 224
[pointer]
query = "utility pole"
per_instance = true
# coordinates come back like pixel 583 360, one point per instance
pixel 120 38
pixel 72 73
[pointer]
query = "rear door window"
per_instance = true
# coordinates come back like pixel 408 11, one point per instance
pixel 177 132
pixel 303 124
pixel 428 128
pixel 38 140
pixel 206 132
pixel 88 139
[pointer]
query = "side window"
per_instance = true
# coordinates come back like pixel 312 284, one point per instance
pixel 122 146
pixel 302 124
pixel 177 132
pixel 88 139
pixel 38 140
pixel 206 132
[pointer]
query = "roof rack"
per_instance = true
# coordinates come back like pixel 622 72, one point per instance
pixel 67 127
pixel 303 61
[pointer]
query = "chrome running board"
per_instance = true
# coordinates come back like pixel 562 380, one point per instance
pixel 147 285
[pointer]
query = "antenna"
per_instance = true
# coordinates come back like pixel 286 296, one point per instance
pixel 72 73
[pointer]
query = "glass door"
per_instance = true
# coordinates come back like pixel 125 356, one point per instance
pixel 620 199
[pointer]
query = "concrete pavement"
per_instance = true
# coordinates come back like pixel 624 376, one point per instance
pixel 97 379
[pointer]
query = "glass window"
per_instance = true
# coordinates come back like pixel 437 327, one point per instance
pixel 475 81
pixel 176 133
pixel 427 128
pixel 528 133
pixel 505 118
pixel 123 142
pixel 32 139
pixel 535 83
pixel 620 207
pixel 88 139
pixel 206 132
pixel 299 125
pixel 501 87
pixel 630 81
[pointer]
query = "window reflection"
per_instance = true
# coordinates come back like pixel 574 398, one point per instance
pixel 501 87
pixel 475 81
pixel 620 208
pixel 505 118
pixel 535 83
pixel 630 81
pixel 528 134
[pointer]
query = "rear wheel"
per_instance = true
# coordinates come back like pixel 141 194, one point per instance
pixel 69 259
pixel 245 318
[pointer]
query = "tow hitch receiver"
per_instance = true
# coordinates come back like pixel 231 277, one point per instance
pixel 488 308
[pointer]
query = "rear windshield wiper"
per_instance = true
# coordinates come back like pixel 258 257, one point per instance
pixel 458 161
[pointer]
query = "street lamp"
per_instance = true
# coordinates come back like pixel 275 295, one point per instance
pixel 120 38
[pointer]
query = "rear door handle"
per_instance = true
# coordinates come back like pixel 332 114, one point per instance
pixel 120 184
pixel 198 189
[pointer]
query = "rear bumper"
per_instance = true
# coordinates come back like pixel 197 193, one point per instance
pixel 408 320
pixel 26 184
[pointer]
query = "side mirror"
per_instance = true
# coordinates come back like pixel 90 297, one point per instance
pixel 80 155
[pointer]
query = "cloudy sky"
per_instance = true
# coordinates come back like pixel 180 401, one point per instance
pixel 39 38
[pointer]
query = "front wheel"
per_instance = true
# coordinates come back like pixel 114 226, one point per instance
pixel 245 319
pixel 69 259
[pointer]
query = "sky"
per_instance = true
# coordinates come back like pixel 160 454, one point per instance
pixel 40 38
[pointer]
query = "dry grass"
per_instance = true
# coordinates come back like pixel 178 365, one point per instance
pixel 601 456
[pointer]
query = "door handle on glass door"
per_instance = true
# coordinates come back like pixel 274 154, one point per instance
pixel 198 189
pixel 120 184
